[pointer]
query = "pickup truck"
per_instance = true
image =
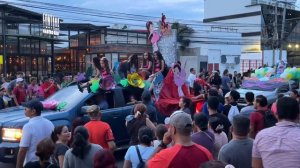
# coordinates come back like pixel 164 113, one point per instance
pixel 270 89
pixel 13 119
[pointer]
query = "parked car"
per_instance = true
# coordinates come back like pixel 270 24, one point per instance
pixel 270 89
pixel 13 119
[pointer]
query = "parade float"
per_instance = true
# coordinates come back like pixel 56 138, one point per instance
pixel 270 82
pixel 168 89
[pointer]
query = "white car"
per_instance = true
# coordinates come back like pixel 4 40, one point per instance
pixel 270 89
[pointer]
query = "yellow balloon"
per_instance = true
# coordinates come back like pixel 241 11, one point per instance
pixel 289 76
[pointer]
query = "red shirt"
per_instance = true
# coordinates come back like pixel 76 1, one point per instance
pixel 51 91
pixel 20 94
pixel 257 122
pixel 180 156
pixel 99 133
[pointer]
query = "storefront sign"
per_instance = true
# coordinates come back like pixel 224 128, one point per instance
pixel 50 24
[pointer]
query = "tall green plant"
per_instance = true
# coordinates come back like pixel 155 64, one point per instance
pixel 182 32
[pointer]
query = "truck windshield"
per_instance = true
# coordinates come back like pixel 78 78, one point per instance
pixel 269 85
pixel 71 96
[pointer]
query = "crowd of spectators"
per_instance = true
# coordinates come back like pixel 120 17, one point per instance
pixel 222 134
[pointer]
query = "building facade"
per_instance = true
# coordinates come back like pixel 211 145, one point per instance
pixel 86 41
pixel 255 20
pixel 24 44
pixel 207 51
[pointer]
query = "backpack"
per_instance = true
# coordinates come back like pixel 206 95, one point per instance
pixel 142 163
pixel 234 110
pixel 269 119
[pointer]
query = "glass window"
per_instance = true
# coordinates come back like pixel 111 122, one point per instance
pixel 95 39
pixel 24 29
pixel 11 45
pixel 12 28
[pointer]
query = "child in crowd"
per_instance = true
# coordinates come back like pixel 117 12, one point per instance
pixel 159 134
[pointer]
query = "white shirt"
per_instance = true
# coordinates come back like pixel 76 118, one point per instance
pixel 37 129
pixel 191 79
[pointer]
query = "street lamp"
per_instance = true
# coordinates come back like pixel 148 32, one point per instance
pixel 297 46
pixel 289 46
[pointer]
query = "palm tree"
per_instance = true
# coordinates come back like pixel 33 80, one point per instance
pixel 182 32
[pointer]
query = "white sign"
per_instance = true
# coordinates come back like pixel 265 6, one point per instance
pixel 50 24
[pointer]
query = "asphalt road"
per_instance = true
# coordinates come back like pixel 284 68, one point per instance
pixel 119 157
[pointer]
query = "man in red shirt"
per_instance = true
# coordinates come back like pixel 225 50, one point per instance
pixel 99 132
pixel 19 91
pixel 257 118
pixel 49 87
pixel 184 153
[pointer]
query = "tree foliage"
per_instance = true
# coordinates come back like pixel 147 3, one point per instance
pixel 182 32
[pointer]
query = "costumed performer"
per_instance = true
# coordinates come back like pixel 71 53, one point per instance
pixel 147 66
pixel 154 37
pixel 281 67
pixel 173 88
pixel 107 80
pixel 97 67
pixel 160 71
pixel 128 67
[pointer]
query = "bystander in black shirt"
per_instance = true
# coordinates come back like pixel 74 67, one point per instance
pixel 224 120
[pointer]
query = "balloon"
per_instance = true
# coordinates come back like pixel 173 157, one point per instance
pixel 289 76
pixel 124 82
pixel 95 85
pixel 61 105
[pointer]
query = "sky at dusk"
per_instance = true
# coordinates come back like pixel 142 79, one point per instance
pixel 178 9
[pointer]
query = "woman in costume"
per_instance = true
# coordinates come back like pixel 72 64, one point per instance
pixel 154 37
pixel 159 64
pixel 97 67
pixel 107 80
pixel 129 67
pixel 147 66
pixel 173 88
pixel 159 72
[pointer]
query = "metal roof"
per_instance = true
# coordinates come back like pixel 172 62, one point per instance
pixel 80 26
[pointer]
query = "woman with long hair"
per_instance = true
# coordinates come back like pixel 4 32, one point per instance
pixel 128 67
pixel 141 152
pixel 97 66
pixel 82 152
pixel 60 136
pixel 159 64
pixel 107 80
pixel 136 121
pixel 44 150
pixel 185 105
pixel 147 66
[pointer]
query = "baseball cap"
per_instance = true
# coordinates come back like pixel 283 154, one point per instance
pixel 93 109
pixel 181 120
pixel 19 80
pixel 34 104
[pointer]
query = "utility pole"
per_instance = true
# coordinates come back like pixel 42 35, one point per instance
pixel 275 35
pixel 282 30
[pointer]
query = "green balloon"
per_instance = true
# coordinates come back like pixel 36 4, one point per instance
pixel 124 82
pixel 61 105
pixel 95 86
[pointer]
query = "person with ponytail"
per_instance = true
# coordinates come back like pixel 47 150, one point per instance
pixel 144 149
pixel 60 136
pixel 82 152
pixel 215 124
pixel 44 150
